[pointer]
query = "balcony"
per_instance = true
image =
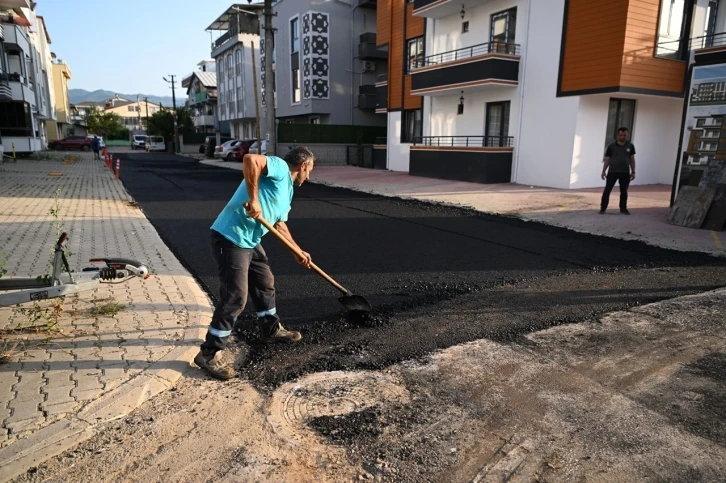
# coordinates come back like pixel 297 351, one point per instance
pixel 6 94
pixel 367 97
pixel 204 120
pixel 367 49
pixel 201 97
pixel 381 97
pixel 441 8
pixel 476 159
pixel 15 38
pixel 19 89
pixel 468 68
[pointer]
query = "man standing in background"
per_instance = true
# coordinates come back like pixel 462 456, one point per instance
pixel 620 166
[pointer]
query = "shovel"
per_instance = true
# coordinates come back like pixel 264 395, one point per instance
pixel 352 302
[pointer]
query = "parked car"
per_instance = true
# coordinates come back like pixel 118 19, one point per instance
pixel 71 142
pixel 224 150
pixel 211 144
pixel 100 138
pixel 155 143
pixel 241 148
pixel 255 150
pixel 138 141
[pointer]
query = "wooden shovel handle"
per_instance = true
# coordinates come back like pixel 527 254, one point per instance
pixel 297 252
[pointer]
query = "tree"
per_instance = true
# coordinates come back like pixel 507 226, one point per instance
pixel 161 123
pixel 106 124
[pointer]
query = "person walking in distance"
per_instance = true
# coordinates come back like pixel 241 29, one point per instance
pixel 242 264
pixel 619 166
pixel 96 147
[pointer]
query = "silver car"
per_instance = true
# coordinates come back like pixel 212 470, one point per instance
pixel 225 150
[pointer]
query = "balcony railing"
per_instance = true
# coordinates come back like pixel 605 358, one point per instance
pixel 13 78
pixel 382 77
pixel 465 141
pixel 679 48
pixel 466 53
pixel 381 141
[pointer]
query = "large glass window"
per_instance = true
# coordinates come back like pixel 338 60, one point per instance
pixel 412 125
pixel 414 54
pixel 294 35
pixel 621 113
pixel 672 28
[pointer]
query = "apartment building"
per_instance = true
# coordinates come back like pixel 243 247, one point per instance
pixel 63 125
pixel 326 62
pixel 133 113
pixel 201 86
pixel 26 81
pixel 233 51
pixel 532 91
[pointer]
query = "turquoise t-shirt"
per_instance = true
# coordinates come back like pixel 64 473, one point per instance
pixel 275 196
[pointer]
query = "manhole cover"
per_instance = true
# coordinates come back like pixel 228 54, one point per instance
pixel 328 394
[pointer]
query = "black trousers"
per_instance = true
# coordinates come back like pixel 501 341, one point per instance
pixel 242 271
pixel 624 180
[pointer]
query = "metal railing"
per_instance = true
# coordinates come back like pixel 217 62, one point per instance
pixel 14 77
pixel 467 52
pixel 679 48
pixel 381 141
pixel 465 141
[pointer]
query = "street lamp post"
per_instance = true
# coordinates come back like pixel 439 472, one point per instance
pixel 174 115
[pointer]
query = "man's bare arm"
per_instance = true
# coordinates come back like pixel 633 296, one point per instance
pixel 253 166
pixel 632 167
pixel 605 166
pixel 282 228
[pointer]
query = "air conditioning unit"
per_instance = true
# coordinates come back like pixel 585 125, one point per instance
pixel 369 66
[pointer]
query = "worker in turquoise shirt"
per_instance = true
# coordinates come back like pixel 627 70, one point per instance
pixel 241 261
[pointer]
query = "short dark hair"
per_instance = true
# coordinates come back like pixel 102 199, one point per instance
pixel 623 129
pixel 298 155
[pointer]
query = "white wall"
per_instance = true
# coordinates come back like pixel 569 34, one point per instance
pixel 446 32
pixel 543 149
pixel 655 137
pixel 398 154
pixel 444 121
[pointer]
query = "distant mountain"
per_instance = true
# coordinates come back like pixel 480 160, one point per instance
pixel 79 95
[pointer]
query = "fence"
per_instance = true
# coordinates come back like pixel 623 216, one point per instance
pixel 328 133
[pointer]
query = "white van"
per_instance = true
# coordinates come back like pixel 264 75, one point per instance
pixel 155 143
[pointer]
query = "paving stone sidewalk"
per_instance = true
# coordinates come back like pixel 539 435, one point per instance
pixel 93 366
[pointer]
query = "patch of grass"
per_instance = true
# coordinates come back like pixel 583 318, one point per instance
pixel 8 350
pixel 109 310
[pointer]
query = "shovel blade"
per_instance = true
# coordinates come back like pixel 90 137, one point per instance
pixel 355 303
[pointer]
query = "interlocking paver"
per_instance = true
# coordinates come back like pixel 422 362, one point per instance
pixel 89 354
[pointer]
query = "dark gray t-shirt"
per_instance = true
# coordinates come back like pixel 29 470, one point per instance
pixel 620 157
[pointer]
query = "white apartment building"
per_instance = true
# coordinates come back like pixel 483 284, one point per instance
pixel 26 77
pixel 233 52
pixel 532 91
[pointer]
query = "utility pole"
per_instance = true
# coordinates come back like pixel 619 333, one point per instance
pixel 269 83
pixel 174 114
pixel 146 100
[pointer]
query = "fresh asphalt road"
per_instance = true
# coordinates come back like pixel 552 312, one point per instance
pixel 436 276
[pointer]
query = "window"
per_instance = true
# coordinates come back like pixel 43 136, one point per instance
pixel 238 59
pixel 672 26
pixel 412 126
pixel 132 108
pixel 15 119
pixel 497 124
pixel 294 35
pixel 295 85
pixel 414 54
pixel 230 69
pixel 621 113
pixel 464 27
pixel 314 120
pixel 503 25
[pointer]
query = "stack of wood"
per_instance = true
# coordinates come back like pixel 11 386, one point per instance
pixel 703 206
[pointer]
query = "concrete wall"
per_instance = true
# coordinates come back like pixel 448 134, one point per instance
pixel 446 35
pixel 544 146
pixel 398 153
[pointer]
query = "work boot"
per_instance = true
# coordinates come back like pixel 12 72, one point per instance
pixel 624 211
pixel 215 365
pixel 281 335
pixel 602 211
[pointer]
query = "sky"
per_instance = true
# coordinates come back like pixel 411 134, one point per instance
pixel 128 46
